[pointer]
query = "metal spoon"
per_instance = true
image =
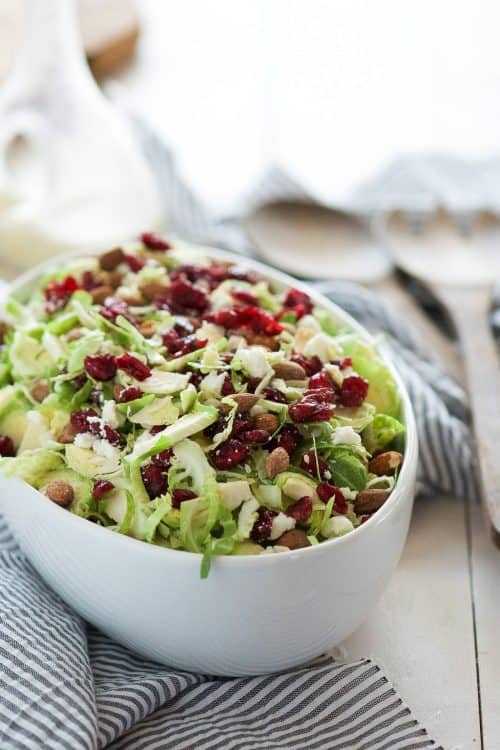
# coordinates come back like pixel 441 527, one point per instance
pixel 460 262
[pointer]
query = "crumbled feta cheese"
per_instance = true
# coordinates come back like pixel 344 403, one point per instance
pixel 104 448
pixel 281 523
pixel 345 436
pixel 110 413
pixel 337 526
pixel 84 440
pixel 233 494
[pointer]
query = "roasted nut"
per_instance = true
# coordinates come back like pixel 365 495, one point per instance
pixel 151 289
pixel 276 462
pixel 147 328
pixel 117 389
pixel 385 463
pixel 266 421
pixel 134 300
pixel 257 339
pixel 112 278
pixel 68 434
pixel 368 501
pixel 245 401
pixel 294 539
pixel 100 293
pixel 289 371
pixel 110 260
pixel 74 334
pixel 40 390
pixel 60 492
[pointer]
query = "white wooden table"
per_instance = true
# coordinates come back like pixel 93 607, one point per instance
pixel 333 89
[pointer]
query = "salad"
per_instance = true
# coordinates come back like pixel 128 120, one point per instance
pixel 194 405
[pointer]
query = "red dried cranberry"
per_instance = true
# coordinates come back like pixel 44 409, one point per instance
pixel 185 297
pixel 113 307
pixel 83 421
pixel 326 491
pixel 229 454
pixel 153 242
pixel 251 317
pixel 164 458
pixel 354 390
pixel 314 465
pixel 298 302
pixel 129 394
pixel 178 497
pixel 301 510
pixel 180 345
pixel 254 436
pixel 161 303
pixel 89 281
pixel 321 380
pixel 154 480
pixel 101 366
pixel 289 438
pixel 212 430
pixel 262 527
pixel 245 297
pixel 133 366
pixel 101 487
pixel 134 262
pixel 57 293
pixel 227 386
pixel 321 395
pixel 112 435
pixel 156 429
pixel 272 394
pixel 311 365
pixel 6 446
pixel 79 381
pixel 310 410
pixel 241 423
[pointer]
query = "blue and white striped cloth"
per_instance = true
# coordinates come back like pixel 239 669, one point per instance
pixel 65 686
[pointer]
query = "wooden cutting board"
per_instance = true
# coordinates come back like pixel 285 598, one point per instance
pixel 110 29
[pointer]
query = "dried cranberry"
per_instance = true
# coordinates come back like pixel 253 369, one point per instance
pixel 245 297
pixel 212 430
pixel 153 242
pixel 272 394
pixel 310 410
pixel 241 423
pixel 326 491
pixel 343 363
pixel 134 262
pixel 112 435
pixel 250 317
pixel 6 446
pixel 89 281
pixel 185 297
pixel 84 421
pixel 161 303
pixel 227 386
pixel 79 381
pixel 229 454
pixel 133 366
pixel 179 345
pixel 129 394
pixel 301 510
pixel 57 293
pixel 314 465
pixel 262 527
pixel 178 497
pixel 321 395
pixel 101 487
pixel 101 366
pixel 354 390
pixel 164 458
pixel 253 384
pixel 298 302
pixel 321 380
pixel 311 365
pixel 154 480
pixel 254 436
pixel 156 429
pixel 289 438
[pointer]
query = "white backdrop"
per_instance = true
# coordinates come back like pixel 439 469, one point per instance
pixel 331 89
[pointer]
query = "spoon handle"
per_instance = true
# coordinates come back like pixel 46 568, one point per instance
pixel 470 309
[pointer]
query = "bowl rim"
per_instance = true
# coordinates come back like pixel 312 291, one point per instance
pixel 398 496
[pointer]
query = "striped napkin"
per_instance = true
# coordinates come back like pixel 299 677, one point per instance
pixel 65 686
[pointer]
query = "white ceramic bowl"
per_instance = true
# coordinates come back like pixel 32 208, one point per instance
pixel 253 614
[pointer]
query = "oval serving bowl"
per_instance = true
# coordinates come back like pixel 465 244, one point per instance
pixel 253 614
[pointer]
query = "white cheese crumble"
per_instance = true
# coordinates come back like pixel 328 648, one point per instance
pixel 110 413
pixel 281 523
pixel 345 436
pixel 84 440
pixel 337 526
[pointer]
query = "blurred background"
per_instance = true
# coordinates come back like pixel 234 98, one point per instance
pixel 331 90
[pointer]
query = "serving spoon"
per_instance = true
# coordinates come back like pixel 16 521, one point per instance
pixel 460 262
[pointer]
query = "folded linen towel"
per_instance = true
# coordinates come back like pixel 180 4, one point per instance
pixel 64 685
